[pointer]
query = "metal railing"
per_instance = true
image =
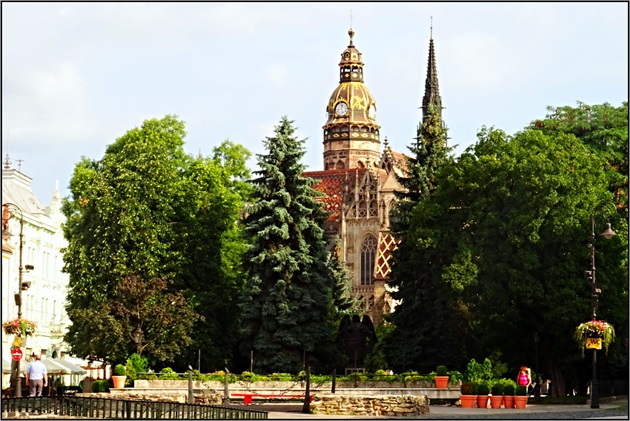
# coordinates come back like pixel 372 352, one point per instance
pixel 73 406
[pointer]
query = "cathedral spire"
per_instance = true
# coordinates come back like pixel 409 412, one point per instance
pixel 431 86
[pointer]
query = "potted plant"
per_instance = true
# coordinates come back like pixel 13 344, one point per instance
pixel 597 329
pixel 441 377
pixel 482 395
pixel 508 395
pixel 520 400
pixel 119 377
pixel 467 397
pixel 496 400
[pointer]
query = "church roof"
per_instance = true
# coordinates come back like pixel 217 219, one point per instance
pixel 330 182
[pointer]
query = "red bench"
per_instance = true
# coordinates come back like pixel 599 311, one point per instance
pixel 247 397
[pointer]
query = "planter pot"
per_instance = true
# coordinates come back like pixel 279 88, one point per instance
pixel 119 381
pixel 508 401
pixel 482 401
pixel 496 401
pixel 468 401
pixel 441 382
pixel 520 402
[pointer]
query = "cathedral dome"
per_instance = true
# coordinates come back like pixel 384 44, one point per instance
pixel 359 105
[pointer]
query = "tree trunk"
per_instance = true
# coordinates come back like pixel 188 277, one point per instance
pixel 558 387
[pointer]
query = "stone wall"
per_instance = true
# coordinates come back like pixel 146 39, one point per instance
pixel 128 394
pixel 400 406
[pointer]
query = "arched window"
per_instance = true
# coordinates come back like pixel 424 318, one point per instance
pixel 339 165
pixel 368 254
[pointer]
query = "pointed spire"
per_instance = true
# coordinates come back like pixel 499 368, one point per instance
pixel 431 86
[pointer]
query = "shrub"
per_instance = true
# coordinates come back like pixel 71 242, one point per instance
pixel 508 390
pixel 466 388
pixel 119 370
pixel 497 389
pixel 521 391
pixel 482 389
pixel 167 373
pixel 135 365
pixel 100 386
pixel 441 370
pixel 455 376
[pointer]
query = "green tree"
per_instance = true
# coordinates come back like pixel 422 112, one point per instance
pixel 421 346
pixel 601 127
pixel 287 299
pixel 507 230
pixel 138 218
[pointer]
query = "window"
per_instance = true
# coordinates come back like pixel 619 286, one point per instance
pixel 368 253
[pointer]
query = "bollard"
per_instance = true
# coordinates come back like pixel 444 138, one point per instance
pixel 191 397
pixel 226 392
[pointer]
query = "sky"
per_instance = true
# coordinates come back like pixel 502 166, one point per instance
pixel 77 76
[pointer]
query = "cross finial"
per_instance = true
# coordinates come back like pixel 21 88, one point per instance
pixel 350 18
pixel 431 27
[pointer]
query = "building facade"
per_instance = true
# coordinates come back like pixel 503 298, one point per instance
pixel 44 300
pixel 359 180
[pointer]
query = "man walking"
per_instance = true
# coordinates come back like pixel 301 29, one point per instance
pixel 36 376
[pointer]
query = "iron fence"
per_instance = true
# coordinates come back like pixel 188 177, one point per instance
pixel 89 407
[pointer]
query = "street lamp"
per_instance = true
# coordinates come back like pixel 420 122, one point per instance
pixel 137 338
pixel 22 286
pixel 596 290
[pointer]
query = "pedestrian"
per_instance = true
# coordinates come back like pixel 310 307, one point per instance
pixel 36 376
pixel 523 378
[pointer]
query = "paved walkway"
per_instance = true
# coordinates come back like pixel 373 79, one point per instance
pixel 532 411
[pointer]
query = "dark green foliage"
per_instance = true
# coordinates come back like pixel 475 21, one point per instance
pixel 508 390
pixel 441 336
pixel 521 391
pixel 482 389
pixel 441 370
pixel 497 389
pixel 136 364
pixel 287 301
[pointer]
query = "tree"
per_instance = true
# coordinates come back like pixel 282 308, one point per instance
pixel 506 230
pixel 287 299
pixel 423 344
pixel 147 215
pixel 604 129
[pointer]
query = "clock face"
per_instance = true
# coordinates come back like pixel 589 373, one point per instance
pixel 341 109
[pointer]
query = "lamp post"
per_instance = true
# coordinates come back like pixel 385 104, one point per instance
pixel 596 290
pixel 6 234
pixel 138 334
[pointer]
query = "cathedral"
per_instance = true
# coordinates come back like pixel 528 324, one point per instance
pixel 359 180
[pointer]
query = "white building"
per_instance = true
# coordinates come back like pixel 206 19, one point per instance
pixel 44 301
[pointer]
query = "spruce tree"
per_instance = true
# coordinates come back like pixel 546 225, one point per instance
pixel 287 298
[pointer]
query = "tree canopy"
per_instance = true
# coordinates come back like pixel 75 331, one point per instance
pixel 507 230
pixel 145 228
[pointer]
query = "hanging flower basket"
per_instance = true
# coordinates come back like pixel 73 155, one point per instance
pixel 594 329
pixel 19 327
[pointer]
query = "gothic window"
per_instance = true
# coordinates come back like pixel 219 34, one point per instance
pixel 339 165
pixel 360 164
pixel 368 254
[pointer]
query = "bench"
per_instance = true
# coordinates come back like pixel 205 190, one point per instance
pixel 247 397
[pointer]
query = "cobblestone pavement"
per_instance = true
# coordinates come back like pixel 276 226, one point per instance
pixel 536 412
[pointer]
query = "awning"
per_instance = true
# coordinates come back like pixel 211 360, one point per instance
pixel 6 366
pixel 74 369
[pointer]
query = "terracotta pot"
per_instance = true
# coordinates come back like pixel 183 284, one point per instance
pixel 520 402
pixel 468 401
pixel 482 401
pixel 496 401
pixel 119 381
pixel 441 382
pixel 508 401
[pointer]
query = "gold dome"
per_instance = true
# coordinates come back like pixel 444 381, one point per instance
pixel 359 101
